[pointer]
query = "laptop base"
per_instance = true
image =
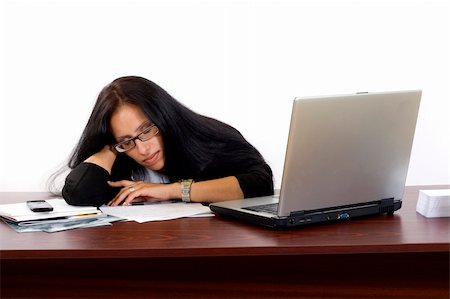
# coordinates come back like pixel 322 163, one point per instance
pixel 302 218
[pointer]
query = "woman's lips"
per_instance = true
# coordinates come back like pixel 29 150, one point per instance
pixel 152 159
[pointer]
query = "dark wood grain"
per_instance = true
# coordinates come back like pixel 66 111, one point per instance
pixel 401 256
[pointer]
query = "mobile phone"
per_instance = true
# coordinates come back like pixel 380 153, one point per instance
pixel 39 206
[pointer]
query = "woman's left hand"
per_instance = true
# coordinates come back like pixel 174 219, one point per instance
pixel 140 191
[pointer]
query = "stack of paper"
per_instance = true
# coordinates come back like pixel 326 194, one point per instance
pixel 434 203
pixel 63 217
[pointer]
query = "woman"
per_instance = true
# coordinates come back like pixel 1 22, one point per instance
pixel 141 144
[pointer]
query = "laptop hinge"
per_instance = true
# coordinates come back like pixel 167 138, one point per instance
pixel 387 205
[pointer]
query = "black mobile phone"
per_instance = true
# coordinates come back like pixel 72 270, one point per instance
pixel 39 206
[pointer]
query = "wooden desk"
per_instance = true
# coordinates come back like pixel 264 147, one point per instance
pixel 405 255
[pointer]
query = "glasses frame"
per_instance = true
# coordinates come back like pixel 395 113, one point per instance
pixel 138 136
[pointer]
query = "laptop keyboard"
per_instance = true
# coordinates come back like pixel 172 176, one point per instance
pixel 271 208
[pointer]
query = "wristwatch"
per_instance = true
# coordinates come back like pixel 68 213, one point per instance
pixel 186 190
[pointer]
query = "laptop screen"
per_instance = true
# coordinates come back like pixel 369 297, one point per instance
pixel 348 149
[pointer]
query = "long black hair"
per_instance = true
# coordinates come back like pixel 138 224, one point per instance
pixel 191 141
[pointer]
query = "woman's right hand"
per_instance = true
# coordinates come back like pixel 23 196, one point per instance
pixel 143 191
pixel 104 158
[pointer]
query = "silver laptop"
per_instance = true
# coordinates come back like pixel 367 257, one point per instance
pixel 347 156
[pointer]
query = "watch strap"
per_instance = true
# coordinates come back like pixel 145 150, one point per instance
pixel 186 190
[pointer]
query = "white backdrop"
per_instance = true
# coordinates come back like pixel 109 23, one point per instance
pixel 242 62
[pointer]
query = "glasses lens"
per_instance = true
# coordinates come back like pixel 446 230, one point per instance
pixel 148 133
pixel 124 146
pixel 144 136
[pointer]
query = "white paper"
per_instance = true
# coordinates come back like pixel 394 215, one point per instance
pixel 434 203
pixel 157 211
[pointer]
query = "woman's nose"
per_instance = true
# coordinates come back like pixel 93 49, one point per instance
pixel 142 146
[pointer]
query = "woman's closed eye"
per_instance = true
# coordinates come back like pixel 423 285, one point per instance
pixel 147 132
pixel 126 143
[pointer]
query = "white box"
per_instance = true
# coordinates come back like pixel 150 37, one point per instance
pixel 434 203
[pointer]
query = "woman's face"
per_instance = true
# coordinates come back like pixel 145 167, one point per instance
pixel 129 121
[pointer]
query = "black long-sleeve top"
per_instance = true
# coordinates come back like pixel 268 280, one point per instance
pixel 87 183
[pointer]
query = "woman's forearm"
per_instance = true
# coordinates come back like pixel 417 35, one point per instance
pixel 226 188
pixel 87 183
pixel 104 158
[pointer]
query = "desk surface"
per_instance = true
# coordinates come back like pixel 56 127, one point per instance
pixel 405 231
pixel 404 255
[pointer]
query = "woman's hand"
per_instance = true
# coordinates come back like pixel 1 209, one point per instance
pixel 104 158
pixel 141 191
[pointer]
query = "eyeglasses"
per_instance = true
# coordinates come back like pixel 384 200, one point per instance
pixel 145 135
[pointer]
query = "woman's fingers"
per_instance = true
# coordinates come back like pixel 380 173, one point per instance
pixel 122 183
pixel 139 191
pixel 131 196
pixel 128 187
